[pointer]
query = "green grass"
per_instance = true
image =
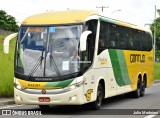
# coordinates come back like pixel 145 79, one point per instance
pixel 157 71
pixel 6 69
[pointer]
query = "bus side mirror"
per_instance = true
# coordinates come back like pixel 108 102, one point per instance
pixel 83 40
pixel 6 42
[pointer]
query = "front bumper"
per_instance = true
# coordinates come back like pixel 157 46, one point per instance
pixel 73 97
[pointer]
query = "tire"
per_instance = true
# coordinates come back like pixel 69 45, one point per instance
pixel 44 107
pixel 138 91
pixel 96 105
pixel 143 88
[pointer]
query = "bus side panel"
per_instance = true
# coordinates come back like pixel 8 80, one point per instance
pixel 110 65
pixel 120 70
pixel 139 63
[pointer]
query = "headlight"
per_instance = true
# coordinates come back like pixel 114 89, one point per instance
pixel 73 86
pixel 19 87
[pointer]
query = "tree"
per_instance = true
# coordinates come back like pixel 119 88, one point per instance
pixel 157 30
pixel 8 22
pixel 158 10
pixel 157 34
pixel 2 19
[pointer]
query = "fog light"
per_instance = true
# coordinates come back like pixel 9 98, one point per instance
pixel 72 98
pixel 18 98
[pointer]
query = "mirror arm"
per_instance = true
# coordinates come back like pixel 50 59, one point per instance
pixel 83 40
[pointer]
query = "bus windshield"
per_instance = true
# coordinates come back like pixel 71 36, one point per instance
pixel 48 51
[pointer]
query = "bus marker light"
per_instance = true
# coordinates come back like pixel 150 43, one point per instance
pixel 44 99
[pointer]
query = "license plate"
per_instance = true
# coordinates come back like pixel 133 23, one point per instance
pixel 44 99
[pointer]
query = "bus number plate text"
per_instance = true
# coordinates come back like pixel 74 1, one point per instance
pixel 44 99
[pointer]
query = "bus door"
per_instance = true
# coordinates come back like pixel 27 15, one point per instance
pixel 88 57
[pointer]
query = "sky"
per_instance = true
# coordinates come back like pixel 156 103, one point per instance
pixel 139 12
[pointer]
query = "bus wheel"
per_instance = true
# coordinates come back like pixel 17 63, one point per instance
pixel 100 95
pixel 43 107
pixel 138 92
pixel 143 88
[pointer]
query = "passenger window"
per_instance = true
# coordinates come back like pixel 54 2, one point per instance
pixel 103 37
pixel 113 36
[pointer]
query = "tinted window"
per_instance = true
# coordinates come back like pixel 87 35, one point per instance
pixel 113 36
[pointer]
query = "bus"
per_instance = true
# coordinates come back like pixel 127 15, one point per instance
pixel 76 57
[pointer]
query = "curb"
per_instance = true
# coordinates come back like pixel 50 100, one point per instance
pixel 157 81
pixel 7 102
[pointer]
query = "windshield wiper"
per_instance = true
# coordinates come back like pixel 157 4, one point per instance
pixel 37 65
pixel 55 66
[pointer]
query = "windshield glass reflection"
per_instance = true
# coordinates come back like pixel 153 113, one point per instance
pixel 48 51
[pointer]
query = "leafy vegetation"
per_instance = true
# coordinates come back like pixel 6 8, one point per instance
pixel 6 69
pixel 8 22
pixel 156 71
pixel 157 34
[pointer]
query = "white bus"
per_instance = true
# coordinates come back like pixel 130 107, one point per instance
pixel 78 57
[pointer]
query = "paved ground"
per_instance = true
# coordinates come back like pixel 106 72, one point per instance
pixel 116 105
pixel 6 101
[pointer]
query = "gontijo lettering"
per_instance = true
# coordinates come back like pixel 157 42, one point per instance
pixel 135 58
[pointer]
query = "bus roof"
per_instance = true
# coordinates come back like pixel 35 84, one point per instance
pixel 123 23
pixel 73 16
pixel 60 17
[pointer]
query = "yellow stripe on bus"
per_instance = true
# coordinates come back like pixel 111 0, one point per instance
pixel 28 84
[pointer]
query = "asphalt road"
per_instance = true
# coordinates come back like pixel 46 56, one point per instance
pixel 115 107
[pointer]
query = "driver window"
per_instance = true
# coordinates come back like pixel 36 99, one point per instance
pixel 90 45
